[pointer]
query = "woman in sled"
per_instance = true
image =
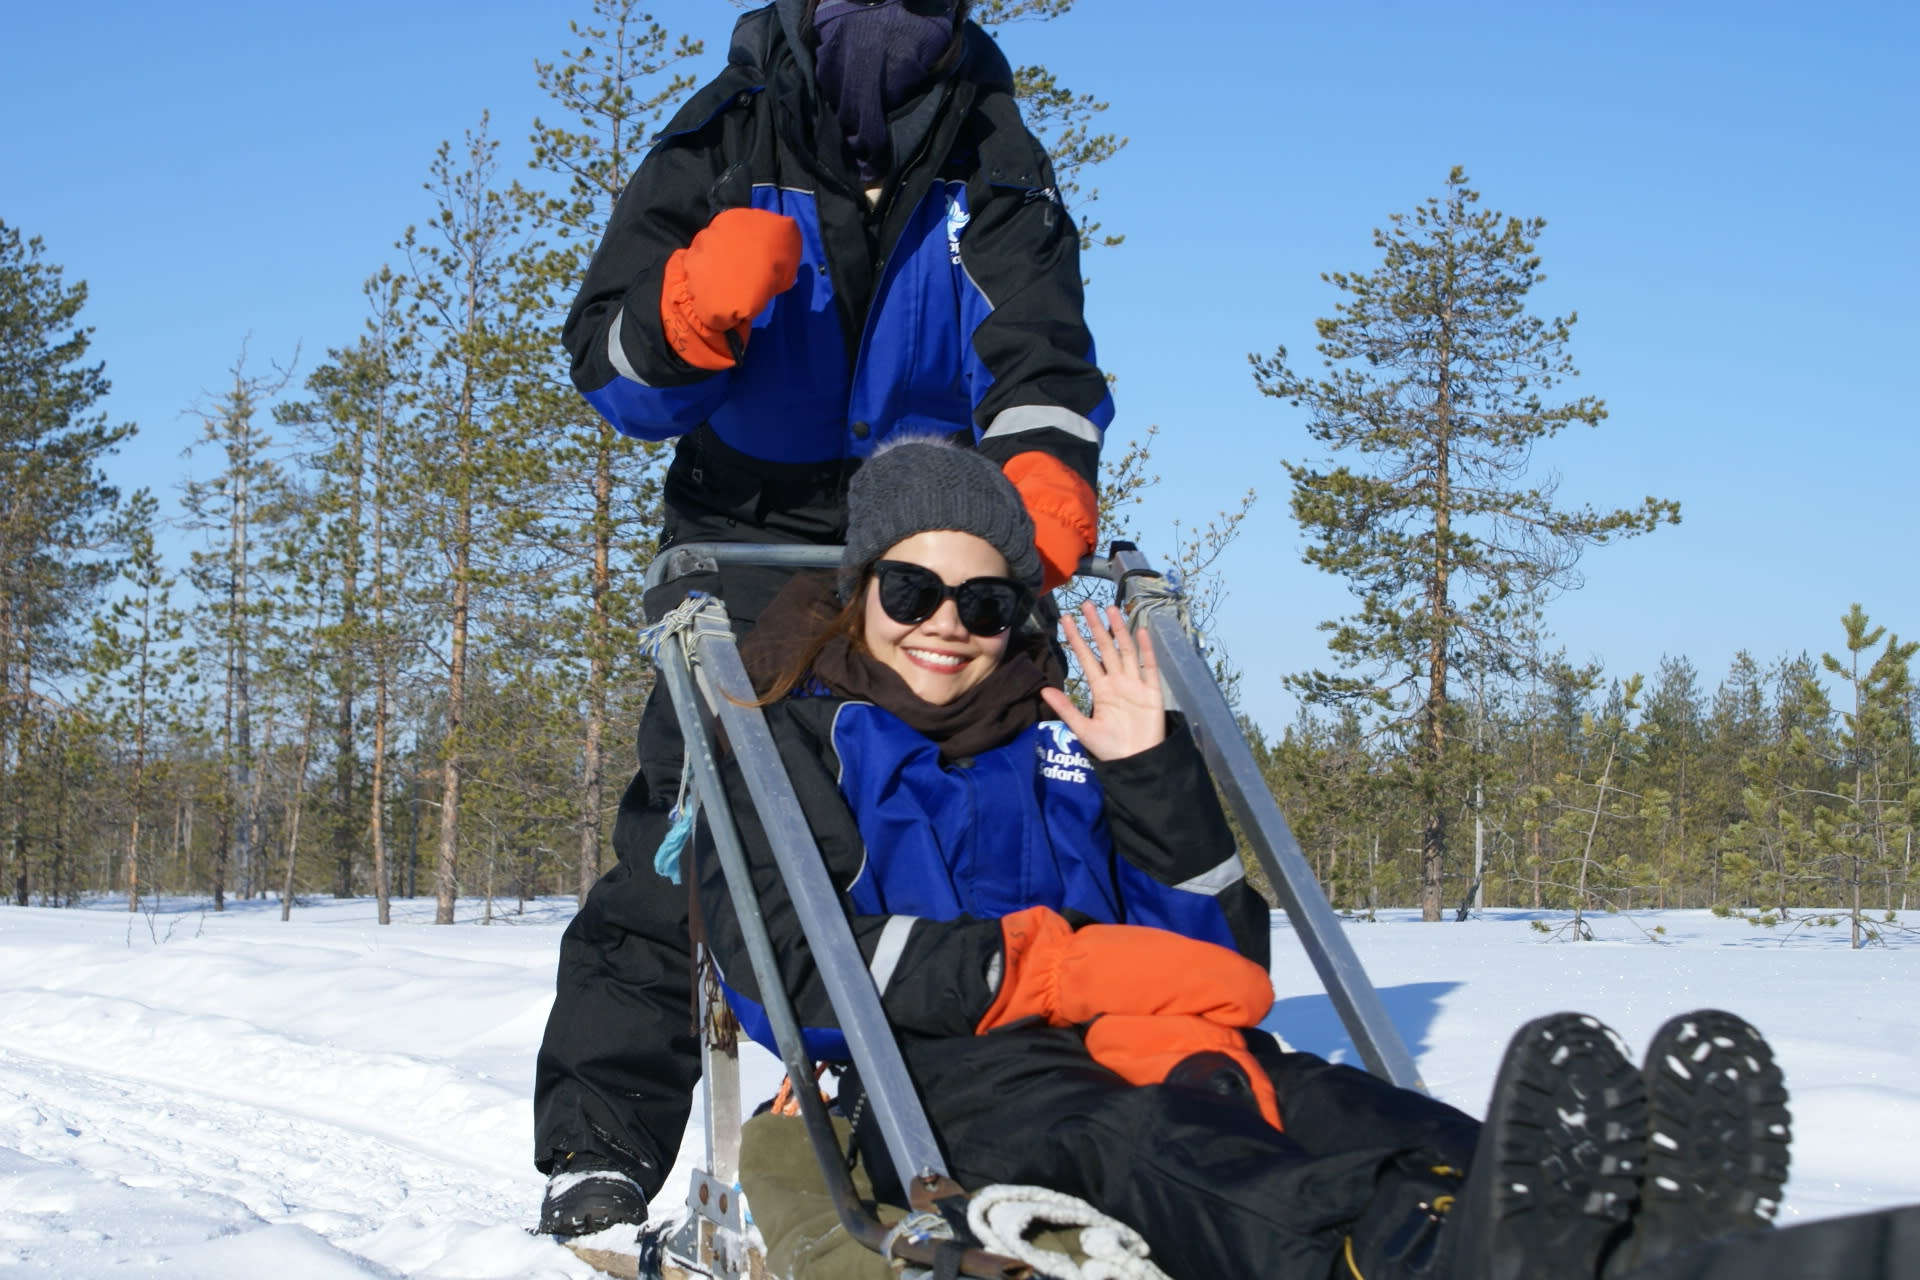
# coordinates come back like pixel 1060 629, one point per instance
pixel 1048 902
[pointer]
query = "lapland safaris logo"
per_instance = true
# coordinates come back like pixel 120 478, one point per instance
pixel 1060 756
pixel 957 219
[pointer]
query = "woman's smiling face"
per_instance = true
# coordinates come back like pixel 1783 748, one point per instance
pixel 938 657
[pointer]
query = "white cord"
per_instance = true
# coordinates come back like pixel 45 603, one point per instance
pixel 1003 1215
pixel 914 1228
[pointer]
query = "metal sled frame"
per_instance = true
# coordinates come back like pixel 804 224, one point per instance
pixel 711 693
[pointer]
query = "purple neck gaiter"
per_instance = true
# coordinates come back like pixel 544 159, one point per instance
pixel 872 55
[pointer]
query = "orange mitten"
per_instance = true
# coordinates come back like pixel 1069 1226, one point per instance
pixel 1066 514
pixel 715 286
pixel 1144 1050
pixel 1050 970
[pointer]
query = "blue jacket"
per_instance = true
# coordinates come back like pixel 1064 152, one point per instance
pixel 930 854
pixel 952 305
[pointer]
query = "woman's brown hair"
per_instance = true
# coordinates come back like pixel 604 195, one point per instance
pixel 849 620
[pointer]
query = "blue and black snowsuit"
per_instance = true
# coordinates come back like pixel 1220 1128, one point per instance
pixel 930 853
pixel 949 303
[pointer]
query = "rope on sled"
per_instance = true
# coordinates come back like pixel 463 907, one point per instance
pixel 666 858
pixel 677 619
pixel 1146 590
pixel 916 1227
pixel 1001 1216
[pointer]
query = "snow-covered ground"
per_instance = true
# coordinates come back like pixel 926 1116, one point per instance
pixel 184 1093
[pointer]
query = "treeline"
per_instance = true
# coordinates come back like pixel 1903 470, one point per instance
pixel 402 657
pixel 1783 787
pixel 392 661
pixel 1452 756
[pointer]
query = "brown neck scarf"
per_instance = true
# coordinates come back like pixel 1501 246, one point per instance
pixel 990 714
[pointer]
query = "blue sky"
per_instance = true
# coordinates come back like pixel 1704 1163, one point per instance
pixel 1726 187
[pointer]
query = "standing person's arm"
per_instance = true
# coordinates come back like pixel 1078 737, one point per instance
pixel 667 300
pixel 1041 404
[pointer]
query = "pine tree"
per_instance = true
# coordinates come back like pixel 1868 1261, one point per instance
pixel 377 370
pixel 1597 804
pixel 228 506
pixel 1435 385
pixel 1736 729
pixel 1544 743
pixel 139 668
pixel 481 349
pixel 1770 857
pixel 604 497
pixel 348 427
pixel 1675 746
pixel 325 550
pixel 1328 781
pixel 56 509
pixel 1873 817
pixel 304 578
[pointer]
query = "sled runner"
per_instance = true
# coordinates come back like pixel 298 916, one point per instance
pixel 695 653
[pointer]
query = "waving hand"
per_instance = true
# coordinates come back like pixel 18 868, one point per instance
pixel 1129 714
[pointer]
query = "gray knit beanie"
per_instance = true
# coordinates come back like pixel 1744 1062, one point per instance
pixel 922 483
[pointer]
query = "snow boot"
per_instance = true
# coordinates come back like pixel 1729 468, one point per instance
pixel 1552 1182
pixel 1718 1130
pixel 587 1193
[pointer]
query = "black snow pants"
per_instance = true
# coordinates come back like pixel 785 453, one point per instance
pixel 1212 1188
pixel 619 1060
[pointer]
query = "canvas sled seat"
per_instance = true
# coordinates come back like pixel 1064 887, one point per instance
pixel 809 1213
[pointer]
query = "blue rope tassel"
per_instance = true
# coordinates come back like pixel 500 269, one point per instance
pixel 666 859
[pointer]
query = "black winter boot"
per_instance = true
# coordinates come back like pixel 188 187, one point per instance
pixel 586 1193
pixel 1718 1129
pixel 1552 1183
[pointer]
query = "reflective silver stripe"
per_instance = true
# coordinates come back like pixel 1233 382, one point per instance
pixel 618 354
pixel 976 285
pixel 839 775
pixel 1034 417
pixel 1224 876
pixel 893 944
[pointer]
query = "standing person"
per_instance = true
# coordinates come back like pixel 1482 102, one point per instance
pixel 847 234
pixel 1038 894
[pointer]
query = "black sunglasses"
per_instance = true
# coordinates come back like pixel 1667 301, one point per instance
pixel 912 593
